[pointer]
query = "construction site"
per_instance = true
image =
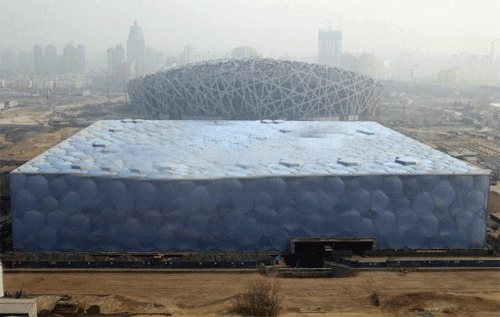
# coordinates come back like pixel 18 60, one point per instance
pixel 462 123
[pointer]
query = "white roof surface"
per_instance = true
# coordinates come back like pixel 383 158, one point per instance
pixel 218 149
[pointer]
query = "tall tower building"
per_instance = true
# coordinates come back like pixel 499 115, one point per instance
pixel 69 59
pixel 50 60
pixel 80 52
pixel 116 58
pixel 135 44
pixel 38 61
pixel 329 47
pixel 24 65
pixel 7 62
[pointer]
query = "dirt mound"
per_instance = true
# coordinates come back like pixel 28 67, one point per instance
pixel 414 304
pixel 109 304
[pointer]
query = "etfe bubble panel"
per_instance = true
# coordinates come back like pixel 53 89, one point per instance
pixel 65 212
pixel 153 204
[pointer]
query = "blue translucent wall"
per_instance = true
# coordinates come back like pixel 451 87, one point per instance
pixel 65 212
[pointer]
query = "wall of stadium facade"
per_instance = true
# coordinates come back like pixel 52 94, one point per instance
pixel 255 89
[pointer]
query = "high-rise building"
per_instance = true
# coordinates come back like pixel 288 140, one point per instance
pixel 38 62
pixel 154 60
pixel 119 70
pixel 136 47
pixel 51 61
pixel 135 44
pixel 115 58
pixel 450 76
pixel 80 60
pixel 7 62
pixel 24 64
pixel 69 58
pixel 73 58
pixel 329 47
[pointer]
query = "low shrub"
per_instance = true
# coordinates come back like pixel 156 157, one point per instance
pixel 262 299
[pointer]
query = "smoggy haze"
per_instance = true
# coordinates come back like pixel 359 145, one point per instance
pixel 272 27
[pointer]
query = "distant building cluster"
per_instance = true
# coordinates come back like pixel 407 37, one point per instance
pixel 137 60
pixel 43 61
pixel 330 53
pixel 442 70
pixel 46 68
pixel 190 55
pixel 48 63
pixel 67 84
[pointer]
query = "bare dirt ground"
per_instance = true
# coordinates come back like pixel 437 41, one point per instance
pixel 29 130
pixel 443 293
pixel 86 109
pixel 34 145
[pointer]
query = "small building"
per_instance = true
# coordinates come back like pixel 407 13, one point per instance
pixel 7 104
pixel 11 104
pixel 450 76
pixel 17 307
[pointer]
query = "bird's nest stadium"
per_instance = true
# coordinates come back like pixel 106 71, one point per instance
pixel 254 89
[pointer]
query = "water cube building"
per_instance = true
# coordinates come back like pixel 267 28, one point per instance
pixel 245 186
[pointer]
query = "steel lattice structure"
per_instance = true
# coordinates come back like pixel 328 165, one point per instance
pixel 254 89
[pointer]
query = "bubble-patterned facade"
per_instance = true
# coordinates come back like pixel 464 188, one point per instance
pixel 136 185
pixel 254 89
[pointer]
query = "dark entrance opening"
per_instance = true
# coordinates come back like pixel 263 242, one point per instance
pixel 312 252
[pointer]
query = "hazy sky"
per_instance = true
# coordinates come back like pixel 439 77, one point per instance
pixel 271 26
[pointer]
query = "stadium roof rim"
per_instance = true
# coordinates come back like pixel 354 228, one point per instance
pixel 246 59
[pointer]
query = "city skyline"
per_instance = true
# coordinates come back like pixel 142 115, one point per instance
pixel 333 46
pixel 272 27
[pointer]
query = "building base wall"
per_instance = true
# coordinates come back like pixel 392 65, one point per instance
pixel 57 212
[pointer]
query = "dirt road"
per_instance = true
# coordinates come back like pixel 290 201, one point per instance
pixel 452 293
